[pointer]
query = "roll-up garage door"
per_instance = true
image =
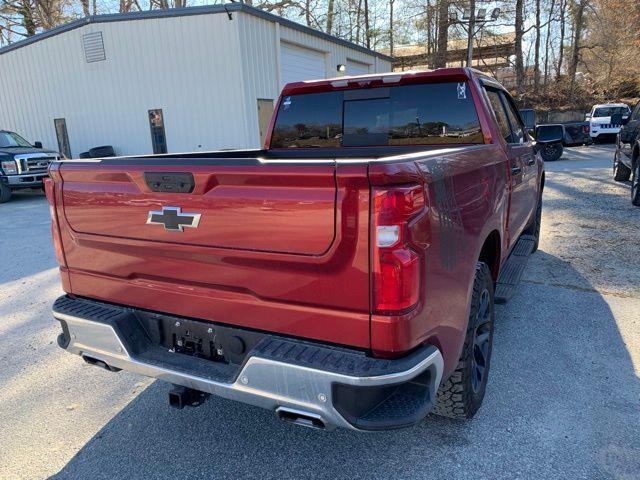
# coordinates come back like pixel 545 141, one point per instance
pixel 357 68
pixel 299 63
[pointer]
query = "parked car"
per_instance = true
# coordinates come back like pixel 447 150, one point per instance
pixel 601 124
pixel 22 165
pixel 626 160
pixel 343 276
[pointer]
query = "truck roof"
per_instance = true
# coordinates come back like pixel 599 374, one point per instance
pixel 380 79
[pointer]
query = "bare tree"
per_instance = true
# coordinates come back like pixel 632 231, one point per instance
pixel 547 49
pixel 367 25
pixel 391 27
pixel 578 26
pixel 536 61
pixel 329 16
pixel 443 34
pixel 519 27
pixel 563 23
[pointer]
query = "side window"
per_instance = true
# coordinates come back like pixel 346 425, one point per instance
pixel 501 116
pixel 517 129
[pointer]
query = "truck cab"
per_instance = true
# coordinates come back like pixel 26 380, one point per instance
pixel 22 165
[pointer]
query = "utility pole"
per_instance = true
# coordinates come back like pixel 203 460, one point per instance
pixel 470 33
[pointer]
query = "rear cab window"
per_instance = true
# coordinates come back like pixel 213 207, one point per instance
pixel 423 114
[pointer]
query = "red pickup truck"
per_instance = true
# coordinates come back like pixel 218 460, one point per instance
pixel 343 276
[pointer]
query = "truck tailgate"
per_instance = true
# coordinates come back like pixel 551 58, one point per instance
pixel 270 209
pixel 277 247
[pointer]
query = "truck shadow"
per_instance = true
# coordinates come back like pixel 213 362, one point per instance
pixel 563 401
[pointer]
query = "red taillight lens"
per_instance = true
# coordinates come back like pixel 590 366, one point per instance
pixel 586 129
pixel 397 280
pixel 396 266
pixel 49 190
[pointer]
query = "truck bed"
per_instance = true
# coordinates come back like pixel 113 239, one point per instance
pixel 282 244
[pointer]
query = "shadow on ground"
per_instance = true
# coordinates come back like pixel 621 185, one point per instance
pixel 563 402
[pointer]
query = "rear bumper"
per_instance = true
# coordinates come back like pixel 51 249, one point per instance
pixel 336 387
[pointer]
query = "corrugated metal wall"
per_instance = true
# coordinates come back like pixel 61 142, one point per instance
pixel 205 72
pixel 261 41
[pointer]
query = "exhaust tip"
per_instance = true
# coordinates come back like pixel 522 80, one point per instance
pixel 99 363
pixel 297 417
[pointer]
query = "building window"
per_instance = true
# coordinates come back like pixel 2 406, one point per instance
pixel 62 136
pixel 158 138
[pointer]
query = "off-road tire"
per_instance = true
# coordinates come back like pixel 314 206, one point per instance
pixel 5 193
pixel 621 172
pixel 457 397
pixel 551 152
pixel 635 185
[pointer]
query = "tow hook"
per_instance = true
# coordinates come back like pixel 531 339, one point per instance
pixel 180 397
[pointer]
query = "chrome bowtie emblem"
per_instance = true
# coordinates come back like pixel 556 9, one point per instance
pixel 173 219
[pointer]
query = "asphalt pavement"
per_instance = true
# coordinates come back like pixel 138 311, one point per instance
pixel 563 398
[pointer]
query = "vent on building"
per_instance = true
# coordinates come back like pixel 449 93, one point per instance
pixel 93 47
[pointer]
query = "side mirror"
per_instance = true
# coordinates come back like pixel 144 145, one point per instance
pixel 37 144
pixel 549 133
pixel 625 119
pixel 587 117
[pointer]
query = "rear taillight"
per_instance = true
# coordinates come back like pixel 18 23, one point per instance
pixel 586 129
pixel 49 189
pixel 396 265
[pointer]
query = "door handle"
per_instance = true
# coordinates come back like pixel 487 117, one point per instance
pixel 530 160
pixel 516 170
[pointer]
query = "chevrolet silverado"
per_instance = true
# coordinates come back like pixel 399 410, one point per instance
pixel 342 276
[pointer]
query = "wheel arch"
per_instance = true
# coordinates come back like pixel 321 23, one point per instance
pixel 490 253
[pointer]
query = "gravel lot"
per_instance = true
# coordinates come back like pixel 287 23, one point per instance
pixel 563 399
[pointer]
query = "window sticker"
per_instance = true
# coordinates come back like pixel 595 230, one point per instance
pixel 287 102
pixel 462 91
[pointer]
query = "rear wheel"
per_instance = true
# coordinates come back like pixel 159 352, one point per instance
pixel 635 185
pixel 5 193
pixel 462 394
pixel 621 172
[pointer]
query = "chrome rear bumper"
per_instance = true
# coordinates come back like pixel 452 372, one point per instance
pixel 280 382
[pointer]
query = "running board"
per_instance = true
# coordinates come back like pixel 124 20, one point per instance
pixel 513 269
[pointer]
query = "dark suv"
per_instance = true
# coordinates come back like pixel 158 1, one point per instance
pixel 22 165
pixel 626 161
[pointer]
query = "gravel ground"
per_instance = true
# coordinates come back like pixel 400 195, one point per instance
pixel 563 399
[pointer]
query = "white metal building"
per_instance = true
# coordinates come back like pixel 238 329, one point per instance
pixel 199 78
